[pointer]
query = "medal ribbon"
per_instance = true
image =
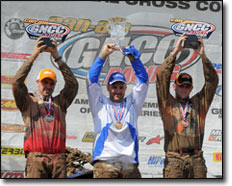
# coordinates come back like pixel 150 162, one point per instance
pixel 49 103
pixel 184 111
pixel 116 114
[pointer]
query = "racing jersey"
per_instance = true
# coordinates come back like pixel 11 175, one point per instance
pixel 177 136
pixel 111 143
pixel 43 135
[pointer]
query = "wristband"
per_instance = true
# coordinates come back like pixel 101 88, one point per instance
pixel 57 59
pixel 131 51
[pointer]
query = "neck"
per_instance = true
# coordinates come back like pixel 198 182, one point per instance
pixel 45 98
pixel 183 101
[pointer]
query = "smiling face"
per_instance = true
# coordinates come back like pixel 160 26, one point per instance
pixel 183 91
pixel 46 86
pixel 117 91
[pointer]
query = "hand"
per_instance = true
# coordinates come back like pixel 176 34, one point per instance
pixel 130 52
pixel 201 49
pixel 38 47
pixel 179 47
pixel 107 50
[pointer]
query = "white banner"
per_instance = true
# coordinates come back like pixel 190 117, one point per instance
pixel 150 32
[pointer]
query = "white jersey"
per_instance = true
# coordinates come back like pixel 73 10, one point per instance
pixel 109 142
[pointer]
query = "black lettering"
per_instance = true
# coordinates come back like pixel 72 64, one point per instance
pixel 11 150
pixel 215 111
pixel 215 6
pixel 184 5
pixel 158 3
pixel 22 151
pixel 108 1
pixel 147 2
pixel 113 2
pixel 17 151
pixel 146 113
pixel 171 4
pixel 3 150
pixel 84 110
pixel 82 101
pixel 132 2
pixel 201 5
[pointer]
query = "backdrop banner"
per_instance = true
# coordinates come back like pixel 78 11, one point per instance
pixel 83 25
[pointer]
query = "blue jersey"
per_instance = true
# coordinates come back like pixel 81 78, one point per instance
pixel 110 142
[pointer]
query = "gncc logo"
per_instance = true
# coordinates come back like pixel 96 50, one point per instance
pixel 155 43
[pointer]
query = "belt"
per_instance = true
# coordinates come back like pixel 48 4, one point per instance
pixel 185 151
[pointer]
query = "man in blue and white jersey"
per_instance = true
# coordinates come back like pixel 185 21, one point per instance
pixel 115 148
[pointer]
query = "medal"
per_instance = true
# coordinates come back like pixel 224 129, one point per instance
pixel 118 124
pixel 185 123
pixel 49 118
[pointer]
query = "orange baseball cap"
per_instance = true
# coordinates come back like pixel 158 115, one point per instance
pixel 47 73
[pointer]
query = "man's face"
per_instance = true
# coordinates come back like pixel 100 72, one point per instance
pixel 46 87
pixel 117 91
pixel 183 91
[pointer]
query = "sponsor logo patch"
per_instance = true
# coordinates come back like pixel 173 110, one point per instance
pixel 12 151
pixel 217 156
pixel 193 27
pixel 46 29
pixel 8 105
pixel 12 128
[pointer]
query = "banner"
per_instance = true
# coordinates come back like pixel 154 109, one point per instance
pixel 150 32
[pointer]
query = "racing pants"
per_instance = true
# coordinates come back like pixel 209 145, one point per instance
pixel 39 165
pixel 115 169
pixel 184 165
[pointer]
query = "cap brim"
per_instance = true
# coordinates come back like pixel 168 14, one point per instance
pixel 117 81
pixel 47 78
pixel 186 82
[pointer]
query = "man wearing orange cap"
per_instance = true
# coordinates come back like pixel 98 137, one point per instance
pixel 184 117
pixel 44 115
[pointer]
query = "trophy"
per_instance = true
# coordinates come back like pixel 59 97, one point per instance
pixel 191 41
pixel 117 29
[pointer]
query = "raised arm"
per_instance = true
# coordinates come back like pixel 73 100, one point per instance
pixel 139 92
pixel 19 88
pixel 94 90
pixel 211 78
pixel 164 74
pixel 69 92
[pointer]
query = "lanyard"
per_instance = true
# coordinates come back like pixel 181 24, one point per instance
pixel 184 111
pixel 116 114
pixel 49 104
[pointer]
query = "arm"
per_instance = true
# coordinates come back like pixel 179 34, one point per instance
pixel 139 92
pixel 164 74
pixel 68 93
pixel 94 90
pixel 95 70
pixel 211 78
pixel 19 88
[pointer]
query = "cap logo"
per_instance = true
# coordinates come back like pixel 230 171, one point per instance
pixel 47 72
pixel 118 75
pixel 185 76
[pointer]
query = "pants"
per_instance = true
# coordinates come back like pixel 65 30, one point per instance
pixel 184 165
pixel 115 169
pixel 40 165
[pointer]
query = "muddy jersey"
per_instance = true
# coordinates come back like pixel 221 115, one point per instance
pixel 45 132
pixel 111 142
pixel 177 135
